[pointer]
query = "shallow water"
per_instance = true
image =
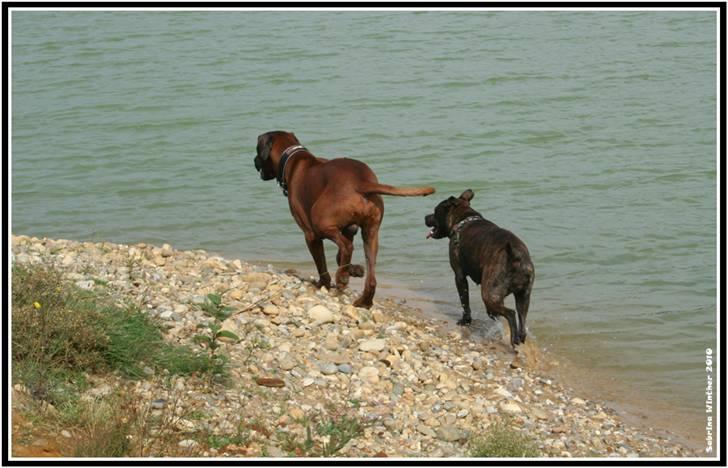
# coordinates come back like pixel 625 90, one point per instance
pixel 591 135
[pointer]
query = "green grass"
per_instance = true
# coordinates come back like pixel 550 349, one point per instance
pixel 57 326
pixel 333 431
pixel 502 441
pixel 61 334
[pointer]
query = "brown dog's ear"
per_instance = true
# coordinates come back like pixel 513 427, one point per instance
pixel 265 143
pixel 467 195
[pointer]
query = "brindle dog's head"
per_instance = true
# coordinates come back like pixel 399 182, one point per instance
pixel 447 214
pixel 267 143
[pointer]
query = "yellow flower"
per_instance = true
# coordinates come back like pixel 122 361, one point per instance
pixel 36 305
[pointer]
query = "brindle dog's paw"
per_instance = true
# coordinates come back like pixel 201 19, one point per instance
pixel 325 282
pixel 357 271
pixel 465 321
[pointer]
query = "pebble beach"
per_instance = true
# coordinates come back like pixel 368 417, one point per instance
pixel 423 388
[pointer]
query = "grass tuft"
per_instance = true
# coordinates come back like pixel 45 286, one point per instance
pixel 502 441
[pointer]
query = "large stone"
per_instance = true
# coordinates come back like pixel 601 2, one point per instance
pixel 331 343
pixel 187 443
pixel 321 314
pixel 167 250
pixel 256 279
pixel 449 434
pixel 510 407
pixel 286 362
pixel 369 374
pixel 327 368
pixel 376 344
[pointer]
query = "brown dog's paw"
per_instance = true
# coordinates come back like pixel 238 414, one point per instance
pixel 357 271
pixel 363 302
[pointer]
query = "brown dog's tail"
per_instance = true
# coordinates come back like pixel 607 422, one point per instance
pixel 398 191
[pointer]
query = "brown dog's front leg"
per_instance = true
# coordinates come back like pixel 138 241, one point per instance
pixel 316 247
pixel 461 281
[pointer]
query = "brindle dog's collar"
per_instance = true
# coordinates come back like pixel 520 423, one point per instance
pixel 456 229
pixel 287 153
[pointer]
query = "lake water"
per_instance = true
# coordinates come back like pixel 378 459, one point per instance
pixel 591 135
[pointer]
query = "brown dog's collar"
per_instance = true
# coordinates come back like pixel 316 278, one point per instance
pixel 285 155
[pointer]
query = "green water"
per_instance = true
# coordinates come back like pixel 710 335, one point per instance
pixel 592 135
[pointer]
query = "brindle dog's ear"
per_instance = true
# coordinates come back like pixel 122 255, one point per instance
pixel 467 195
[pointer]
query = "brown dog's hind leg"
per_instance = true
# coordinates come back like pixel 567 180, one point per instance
pixel 357 271
pixel 370 235
pixel 343 256
pixel 316 247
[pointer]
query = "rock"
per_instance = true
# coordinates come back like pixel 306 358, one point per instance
pixel 286 362
pixel 578 401
pixel 270 309
pixel 424 430
pixel 328 368
pixel 320 315
pixel 378 316
pixel 166 251
pixel 236 294
pixel 85 284
pixel 331 343
pixel 462 413
pixel 296 413
pixel 158 404
pixel 449 434
pixel 516 384
pixel 167 315
pixel 510 408
pixel 559 429
pixel 188 443
pixel 538 413
pixel 345 368
pixel 307 381
pixel 372 345
pixel 447 382
pixel 351 312
pixel 369 374
pixel 500 391
pixel 66 434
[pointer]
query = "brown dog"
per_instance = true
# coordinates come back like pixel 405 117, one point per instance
pixel 330 199
pixel 491 256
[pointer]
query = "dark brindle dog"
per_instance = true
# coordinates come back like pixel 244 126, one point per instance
pixel 330 199
pixel 492 257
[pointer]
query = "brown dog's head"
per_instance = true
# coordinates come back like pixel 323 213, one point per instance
pixel 271 143
pixel 447 213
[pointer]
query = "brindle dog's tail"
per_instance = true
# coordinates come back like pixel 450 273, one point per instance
pixel 398 191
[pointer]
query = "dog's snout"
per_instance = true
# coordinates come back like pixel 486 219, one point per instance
pixel 257 164
pixel 429 220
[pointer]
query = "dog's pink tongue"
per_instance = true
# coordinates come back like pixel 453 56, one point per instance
pixel 430 233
